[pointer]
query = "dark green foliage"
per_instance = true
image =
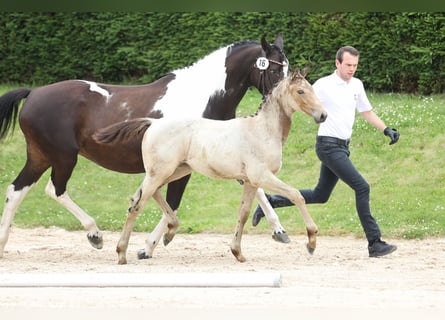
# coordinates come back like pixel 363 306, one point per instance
pixel 400 51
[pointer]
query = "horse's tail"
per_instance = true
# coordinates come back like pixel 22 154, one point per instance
pixel 121 131
pixel 9 109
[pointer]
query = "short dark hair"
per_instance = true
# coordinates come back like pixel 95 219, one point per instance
pixel 353 51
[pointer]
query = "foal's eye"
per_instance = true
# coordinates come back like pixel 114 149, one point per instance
pixel 300 91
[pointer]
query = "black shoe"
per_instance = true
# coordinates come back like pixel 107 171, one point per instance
pixel 257 215
pixel 380 248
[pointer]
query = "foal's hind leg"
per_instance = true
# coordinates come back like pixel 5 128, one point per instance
pixel 169 219
pixel 181 172
pixel 243 214
pixel 137 205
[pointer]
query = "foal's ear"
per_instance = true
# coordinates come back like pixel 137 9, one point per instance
pixel 296 74
pixel 300 74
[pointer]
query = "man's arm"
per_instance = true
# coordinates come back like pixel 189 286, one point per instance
pixel 375 121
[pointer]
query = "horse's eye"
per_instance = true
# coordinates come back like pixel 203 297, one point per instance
pixel 300 91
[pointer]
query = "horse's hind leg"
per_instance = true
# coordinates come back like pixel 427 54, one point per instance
pixel 13 200
pixel 243 214
pixel 16 192
pixel 169 219
pixel 94 235
pixel 56 189
pixel 279 234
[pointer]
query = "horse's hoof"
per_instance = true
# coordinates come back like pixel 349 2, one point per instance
pixel 96 240
pixel 281 237
pixel 122 261
pixel 238 256
pixel 142 254
pixel 310 249
pixel 166 240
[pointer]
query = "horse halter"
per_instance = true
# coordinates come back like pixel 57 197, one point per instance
pixel 262 64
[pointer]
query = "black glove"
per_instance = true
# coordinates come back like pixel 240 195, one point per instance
pixel 392 133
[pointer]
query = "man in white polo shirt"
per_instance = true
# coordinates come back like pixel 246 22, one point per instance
pixel 342 95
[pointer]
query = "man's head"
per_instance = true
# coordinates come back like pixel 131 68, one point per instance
pixel 346 61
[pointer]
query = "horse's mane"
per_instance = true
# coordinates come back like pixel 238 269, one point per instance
pixel 234 47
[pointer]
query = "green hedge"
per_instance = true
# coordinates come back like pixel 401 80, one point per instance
pixel 401 52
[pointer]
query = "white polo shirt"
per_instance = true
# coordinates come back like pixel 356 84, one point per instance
pixel 341 100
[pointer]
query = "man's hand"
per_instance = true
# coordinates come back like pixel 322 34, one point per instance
pixel 392 133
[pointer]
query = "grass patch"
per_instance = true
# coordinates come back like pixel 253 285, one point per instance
pixel 407 180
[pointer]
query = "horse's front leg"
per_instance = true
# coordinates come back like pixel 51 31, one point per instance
pixel 243 214
pixel 137 204
pixel 169 219
pixel 279 234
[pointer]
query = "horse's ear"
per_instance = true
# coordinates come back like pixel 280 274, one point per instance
pixel 279 41
pixel 266 46
pixel 300 74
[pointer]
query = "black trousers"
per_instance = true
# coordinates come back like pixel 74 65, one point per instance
pixel 335 164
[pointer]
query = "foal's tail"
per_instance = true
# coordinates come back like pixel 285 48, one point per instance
pixel 9 109
pixel 121 131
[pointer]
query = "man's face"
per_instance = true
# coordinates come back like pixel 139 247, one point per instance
pixel 347 68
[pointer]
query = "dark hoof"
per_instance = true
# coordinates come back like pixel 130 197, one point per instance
pixel 166 240
pixel 143 255
pixel 310 249
pixel 281 237
pixel 96 240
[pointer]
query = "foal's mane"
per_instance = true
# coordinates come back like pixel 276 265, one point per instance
pixel 275 91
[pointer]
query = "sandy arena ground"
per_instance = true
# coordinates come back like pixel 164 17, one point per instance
pixel 338 281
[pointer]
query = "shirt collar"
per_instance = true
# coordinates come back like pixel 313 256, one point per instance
pixel 338 80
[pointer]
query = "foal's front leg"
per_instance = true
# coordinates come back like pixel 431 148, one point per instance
pixel 243 214
pixel 279 234
pixel 272 183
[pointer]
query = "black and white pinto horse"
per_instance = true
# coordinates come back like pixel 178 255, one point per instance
pixel 246 149
pixel 58 120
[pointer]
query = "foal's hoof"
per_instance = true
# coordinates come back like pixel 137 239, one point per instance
pixel 96 240
pixel 281 237
pixel 142 254
pixel 166 240
pixel 310 249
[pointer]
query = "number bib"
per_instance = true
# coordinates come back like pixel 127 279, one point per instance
pixel 262 63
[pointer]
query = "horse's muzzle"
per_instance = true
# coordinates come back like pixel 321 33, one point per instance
pixel 320 117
